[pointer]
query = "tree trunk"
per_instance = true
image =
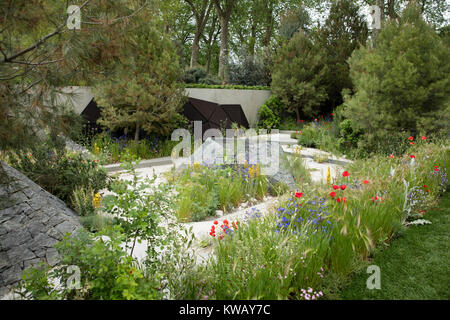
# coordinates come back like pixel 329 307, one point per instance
pixel 212 38
pixel 269 26
pixel 195 49
pixel 223 58
pixel 251 45
pixel 136 133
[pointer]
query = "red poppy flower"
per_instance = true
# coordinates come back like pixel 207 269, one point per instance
pixel 366 181
pixel 343 187
pixel 345 174
pixel 299 195
pixel 216 222
pixel 410 138
pixel 225 221
pixel 391 156
pixel 428 190
pixel 412 143
pixel 424 138
pixel 338 200
pixel 436 169
pixel 335 187
pixel 331 114
pixel 315 120
pixel 333 194
pixel 412 156
pixel 344 199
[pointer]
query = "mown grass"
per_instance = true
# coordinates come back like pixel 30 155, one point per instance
pixel 414 266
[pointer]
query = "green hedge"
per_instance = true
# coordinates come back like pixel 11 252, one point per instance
pixel 227 86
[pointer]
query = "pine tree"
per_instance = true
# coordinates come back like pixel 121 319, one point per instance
pixel 141 90
pixel 401 84
pixel 39 54
pixel 297 76
pixel 344 31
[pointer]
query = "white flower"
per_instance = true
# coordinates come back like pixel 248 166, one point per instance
pixel 420 222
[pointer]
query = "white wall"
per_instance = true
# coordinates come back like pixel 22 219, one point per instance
pixel 250 100
pixel 78 97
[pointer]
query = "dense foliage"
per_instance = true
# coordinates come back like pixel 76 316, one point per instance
pixel 141 92
pixel 297 76
pixel 401 84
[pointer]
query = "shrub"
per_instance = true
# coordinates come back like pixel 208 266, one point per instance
pixel 59 172
pixel 349 135
pixel 269 114
pixel 249 72
pixel 309 136
pixel 106 272
pixel 402 84
pixel 199 76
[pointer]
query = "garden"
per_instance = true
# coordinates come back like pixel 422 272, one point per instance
pixel 361 118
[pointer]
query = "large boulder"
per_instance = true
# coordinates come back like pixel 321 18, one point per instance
pixel 268 154
pixel 32 221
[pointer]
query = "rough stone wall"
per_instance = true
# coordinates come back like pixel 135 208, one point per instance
pixel 32 221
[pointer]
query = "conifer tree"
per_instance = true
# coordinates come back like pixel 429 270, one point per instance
pixel 401 84
pixel 140 89
pixel 297 76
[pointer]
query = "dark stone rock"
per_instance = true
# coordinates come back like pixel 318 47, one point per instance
pixel 52 256
pixel 32 221
pixel 35 228
pixel 65 227
pixel 14 239
pixel 11 275
pixel 18 254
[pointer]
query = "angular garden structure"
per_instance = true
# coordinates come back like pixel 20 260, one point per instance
pixel 219 105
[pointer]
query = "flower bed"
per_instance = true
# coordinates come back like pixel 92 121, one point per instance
pixel 203 190
pixel 317 237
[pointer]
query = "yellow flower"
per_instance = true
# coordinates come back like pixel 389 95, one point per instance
pixel 96 149
pixel 196 166
pixel 97 201
pixel 328 176
pixel 252 171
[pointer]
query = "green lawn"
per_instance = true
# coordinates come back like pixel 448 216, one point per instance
pixel 414 266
